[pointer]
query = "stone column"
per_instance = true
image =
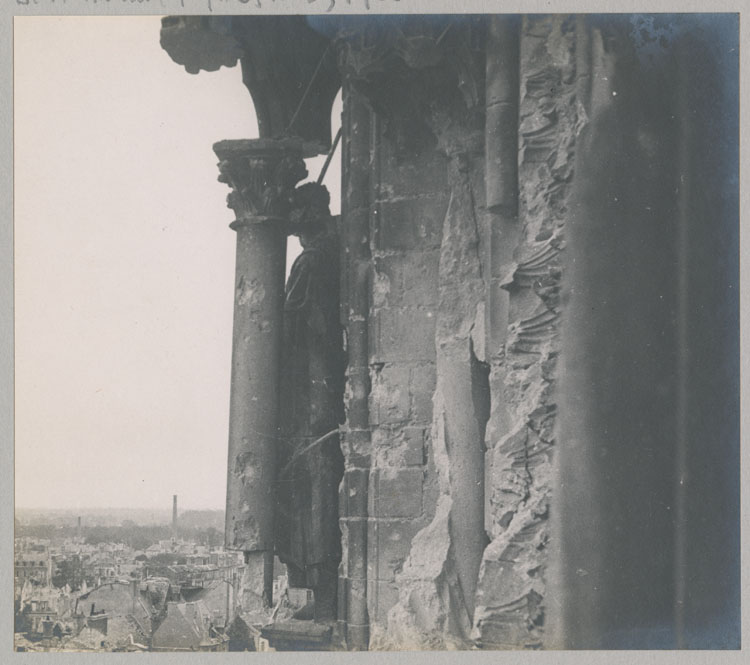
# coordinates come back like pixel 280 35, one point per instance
pixel 357 442
pixel 647 497
pixel 262 174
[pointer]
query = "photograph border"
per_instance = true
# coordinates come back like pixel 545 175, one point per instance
pixel 12 8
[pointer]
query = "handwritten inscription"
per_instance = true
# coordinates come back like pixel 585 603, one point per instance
pixel 211 4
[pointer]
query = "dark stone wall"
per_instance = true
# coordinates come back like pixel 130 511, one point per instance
pixel 625 159
pixel 580 327
pixel 647 503
pixel 582 330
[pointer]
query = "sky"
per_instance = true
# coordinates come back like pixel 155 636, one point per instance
pixel 124 266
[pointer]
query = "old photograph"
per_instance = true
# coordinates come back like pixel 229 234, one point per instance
pixel 376 332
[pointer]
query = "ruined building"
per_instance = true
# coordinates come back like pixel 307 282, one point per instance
pixel 538 297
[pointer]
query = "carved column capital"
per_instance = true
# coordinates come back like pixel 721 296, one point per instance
pixel 262 174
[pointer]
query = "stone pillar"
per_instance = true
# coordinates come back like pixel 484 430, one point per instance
pixel 647 498
pixel 501 114
pixel 262 174
pixel 174 516
pixel 501 170
pixel 357 441
pixel 461 399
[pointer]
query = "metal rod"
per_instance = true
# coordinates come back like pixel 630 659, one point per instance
pixel 329 157
pixel 307 89
pixel 301 452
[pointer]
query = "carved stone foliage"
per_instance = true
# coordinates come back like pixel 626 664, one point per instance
pixel 262 174
pixel 408 66
pixel 200 42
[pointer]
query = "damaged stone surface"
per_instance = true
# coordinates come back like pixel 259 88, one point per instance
pixel 459 139
pixel 475 575
pixel 437 582
pixel 261 174
pixel 424 616
pixel 520 432
pixel 406 215
pixel 452 313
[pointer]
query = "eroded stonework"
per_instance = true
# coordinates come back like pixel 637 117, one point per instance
pixel 475 574
pixel 460 141
pixel 520 438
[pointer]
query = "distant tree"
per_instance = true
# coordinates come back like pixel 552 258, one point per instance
pixel 69 571
pixel 209 536
pixel 165 559
pixel 202 519
pixel 98 534
pixel 134 535
pixel 43 531
pixel 239 635
pixel 21 617
pixel 141 557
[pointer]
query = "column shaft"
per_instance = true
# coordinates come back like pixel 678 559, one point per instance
pixel 256 353
pixel 262 174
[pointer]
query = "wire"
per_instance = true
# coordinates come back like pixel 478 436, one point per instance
pixel 329 157
pixel 307 90
pixel 302 451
